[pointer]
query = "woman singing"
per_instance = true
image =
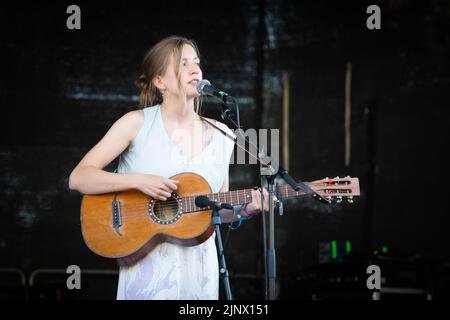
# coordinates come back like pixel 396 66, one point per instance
pixel 164 138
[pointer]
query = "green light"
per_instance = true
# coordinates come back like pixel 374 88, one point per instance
pixel 384 249
pixel 348 246
pixel 333 249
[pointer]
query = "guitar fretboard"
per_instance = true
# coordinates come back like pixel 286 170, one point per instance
pixel 236 197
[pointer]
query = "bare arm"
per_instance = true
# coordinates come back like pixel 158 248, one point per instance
pixel 89 177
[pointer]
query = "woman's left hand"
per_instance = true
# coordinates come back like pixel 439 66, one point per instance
pixel 254 207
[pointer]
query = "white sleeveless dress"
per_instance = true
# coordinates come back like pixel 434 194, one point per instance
pixel 172 271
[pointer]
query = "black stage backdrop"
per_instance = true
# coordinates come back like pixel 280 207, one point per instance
pixel 60 90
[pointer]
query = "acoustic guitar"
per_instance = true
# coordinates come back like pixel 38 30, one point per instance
pixel 119 224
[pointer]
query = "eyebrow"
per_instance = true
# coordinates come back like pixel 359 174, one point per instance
pixel 196 58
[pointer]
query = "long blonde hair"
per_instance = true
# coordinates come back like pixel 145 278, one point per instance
pixel 156 61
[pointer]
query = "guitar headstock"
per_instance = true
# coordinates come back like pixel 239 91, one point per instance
pixel 337 188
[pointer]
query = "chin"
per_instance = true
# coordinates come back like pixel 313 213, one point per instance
pixel 192 95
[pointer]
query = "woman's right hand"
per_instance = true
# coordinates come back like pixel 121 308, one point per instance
pixel 156 186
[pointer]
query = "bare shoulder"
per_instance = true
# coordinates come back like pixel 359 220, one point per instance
pixel 135 117
pixel 130 123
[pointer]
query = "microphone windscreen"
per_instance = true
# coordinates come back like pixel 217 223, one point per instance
pixel 201 201
pixel 201 84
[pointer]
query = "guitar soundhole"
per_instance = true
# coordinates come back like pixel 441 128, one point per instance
pixel 165 212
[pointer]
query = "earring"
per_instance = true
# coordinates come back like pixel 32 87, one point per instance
pixel 163 91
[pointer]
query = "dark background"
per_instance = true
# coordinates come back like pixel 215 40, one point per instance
pixel 60 91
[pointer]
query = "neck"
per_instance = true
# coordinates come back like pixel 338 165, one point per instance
pixel 178 110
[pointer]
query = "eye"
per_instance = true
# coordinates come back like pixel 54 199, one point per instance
pixel 184 64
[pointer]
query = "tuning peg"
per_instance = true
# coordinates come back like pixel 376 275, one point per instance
pixel 338 199
pixel 350 199
pixel 329 198
pixel 336 178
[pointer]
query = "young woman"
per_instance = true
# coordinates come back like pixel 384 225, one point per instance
pixel 165 138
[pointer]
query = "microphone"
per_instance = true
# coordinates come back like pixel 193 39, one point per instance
pixel 205 87
pixel 203 201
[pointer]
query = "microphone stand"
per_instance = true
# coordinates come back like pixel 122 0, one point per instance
pixel 223 271
pixel 268 172
pixel 268 175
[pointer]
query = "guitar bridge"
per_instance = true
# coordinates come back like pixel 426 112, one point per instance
pixel 116 216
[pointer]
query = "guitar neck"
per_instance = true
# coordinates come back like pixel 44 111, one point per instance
pixel 236 197
pixel 338 188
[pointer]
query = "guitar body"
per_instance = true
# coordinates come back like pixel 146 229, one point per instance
pixel 116 225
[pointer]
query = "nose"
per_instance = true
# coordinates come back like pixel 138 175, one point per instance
pixel 194 69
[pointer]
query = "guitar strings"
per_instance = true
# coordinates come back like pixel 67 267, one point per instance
pixel 172 205
pixel 189 200
pixel 130 215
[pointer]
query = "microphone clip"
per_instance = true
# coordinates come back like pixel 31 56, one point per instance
pixel 227 113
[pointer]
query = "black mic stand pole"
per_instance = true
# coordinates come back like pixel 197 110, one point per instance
pixel 223 271
pixel 268 175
